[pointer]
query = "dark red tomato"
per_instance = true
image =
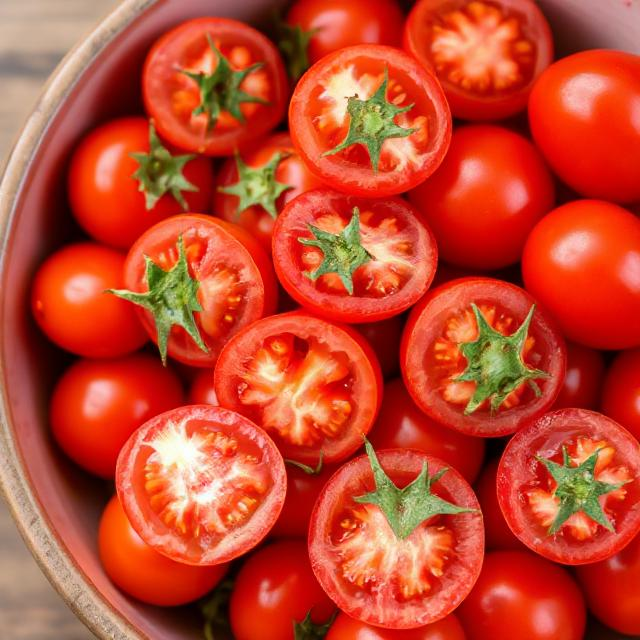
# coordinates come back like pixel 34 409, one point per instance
pixel 200 484
pixel 521 596
pixel 212 84
pixel 352 259
pixel 98 404
pixel 370 121
pixel 202 390
pixel 401 425
pixel 409 573
pixel 69 303
pixel 486 53
pixel 144 573
pixel 312 385
pixel 197 281
pixel 489 192
pixel 583 114
pixel 274 591
pixel 478 356
pixel 123 180
pixel 384 337
pixel 611 589
pixel 621 391
pixel 583 381
pixel 569 486
pixel 581 262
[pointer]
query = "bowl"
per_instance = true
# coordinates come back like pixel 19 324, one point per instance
pixel 55 505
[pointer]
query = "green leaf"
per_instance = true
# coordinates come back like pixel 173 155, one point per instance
pixel 308 630
pixel 310 471
pixel 214 609
pixel 293 42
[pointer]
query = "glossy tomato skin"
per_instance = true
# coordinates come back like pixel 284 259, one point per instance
pixel 582 384
pixel 201 390
pixel 69 303
pixel 579 263
pixel 275 588
pixel 486 196
pixel 401 425
pixel 142 572
pixel 384 337
pixel 523 597
pixel 621 391
pixel 97 404
pixel 583 117
pixel 105 196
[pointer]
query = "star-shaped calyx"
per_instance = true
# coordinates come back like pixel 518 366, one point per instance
pixel 495 364
pixel 308 630
pixel 310 471
pixel 405 509
pixel 343 252
pixel 293 42
pixel 372 122
pixel 171 299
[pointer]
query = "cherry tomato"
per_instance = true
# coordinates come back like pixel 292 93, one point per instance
pixel 202 390
pixel 489 192
pixel 352 259
pixel 200 484
pixel 621 391
pixel 583 114
pixel 478 356
pixel 580 261
pixel 97 404
pixel 212 84
pixel 69 303
pixel 384 337
pixel 520 596
pixel 144 573
pixel 274 591
pixel 370 121
pixel 583 381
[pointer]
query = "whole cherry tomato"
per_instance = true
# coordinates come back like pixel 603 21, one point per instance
pixel 621 391
pixel 582 384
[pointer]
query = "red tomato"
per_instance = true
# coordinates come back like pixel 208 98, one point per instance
pixel 583 380
pixel 212 84
pixel 69 303
pixel 489 192
pixel 142 572
pixel 568 486
pixel 350 259
pixel 98 404
pixel 312 385
pixel 487 382
pixel 621 391
pixel 401 425
pixel 370 121
pixel 520 596
pixel 486 53
pixel 581 262
pixel 202 390
pixel 384 338
pixel 200 484
pixel 583 114
pixel 123 180
pixel 275 590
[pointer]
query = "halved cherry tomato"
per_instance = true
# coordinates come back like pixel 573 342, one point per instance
pixel 487 382
pixel 312 385
pixel 202 390
pixel 569 486
pixel 621 391
pixel 486 53
pixel 384 337
pixel 212 84
pixel 370 121
pixel 350 259
pixel 582 384
pixel 201 484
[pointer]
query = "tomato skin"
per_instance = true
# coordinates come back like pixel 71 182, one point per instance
pixel 69 303
pixel 97 404
pixel 201 390
pixel 523 597
pixel 579 262
pixel 274 588
pixel 384 337
pixel 583 380
pixel 486 196
pixel 621 391
pixel 142 572
pixel 583 117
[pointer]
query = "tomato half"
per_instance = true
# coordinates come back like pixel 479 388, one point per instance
pixel 370 121
pixel 350 259
pixel 569 486
pixel 201 484
pixel 212 84
pixel 621 391
pixel 487 382
pixel 582 384
pixel 312 385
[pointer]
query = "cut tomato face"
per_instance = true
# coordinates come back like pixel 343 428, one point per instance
pixel 369 120
pixel 351 259
pixel 211 84
pixel 478 356
pixel 404 566
pixel 486 53
pixel 312 385
pixel 568 486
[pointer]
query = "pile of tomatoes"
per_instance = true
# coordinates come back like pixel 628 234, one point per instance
pixel 343 300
